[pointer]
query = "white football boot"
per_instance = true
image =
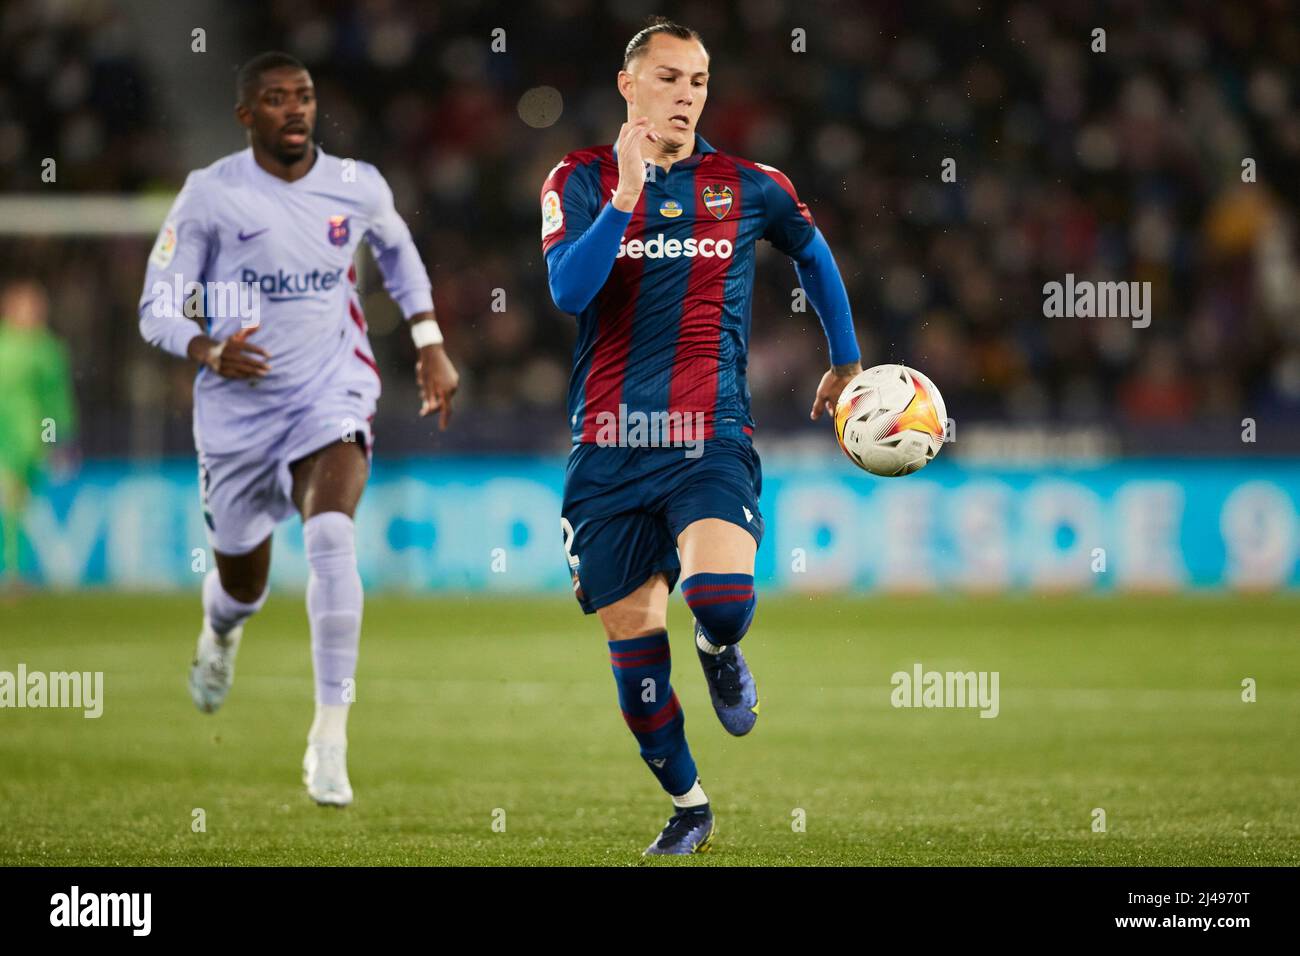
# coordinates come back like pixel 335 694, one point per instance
pixel 213 670
pixel 325 772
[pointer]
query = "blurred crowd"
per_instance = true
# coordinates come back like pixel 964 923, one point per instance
pixel 1119 165
pixel 75 86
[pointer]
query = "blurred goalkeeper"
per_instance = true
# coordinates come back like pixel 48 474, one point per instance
pixel 37 411
pixel 262 243
pixel 650 243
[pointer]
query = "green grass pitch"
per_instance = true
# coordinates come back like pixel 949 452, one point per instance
pixel 475 709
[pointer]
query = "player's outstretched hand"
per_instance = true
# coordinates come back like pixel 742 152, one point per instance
pixel 631 162
pixel 832 384
pixel 438 381
pixel 236 357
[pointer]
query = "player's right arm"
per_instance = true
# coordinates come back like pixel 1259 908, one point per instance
pixel 580 250
pixel 178 259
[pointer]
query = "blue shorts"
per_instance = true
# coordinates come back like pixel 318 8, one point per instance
pixel 624 508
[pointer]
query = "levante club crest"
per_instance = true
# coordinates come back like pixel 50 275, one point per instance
pixel 717 200
pixel 339 230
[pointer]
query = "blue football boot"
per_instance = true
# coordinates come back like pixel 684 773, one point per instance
pixel 731 687
pixel 689 830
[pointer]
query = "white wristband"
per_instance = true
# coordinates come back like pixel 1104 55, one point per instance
pixel 426 332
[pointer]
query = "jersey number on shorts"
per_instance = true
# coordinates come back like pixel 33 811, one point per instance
pixel 205 486
pixel 568 543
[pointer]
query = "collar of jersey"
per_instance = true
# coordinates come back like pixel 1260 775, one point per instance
pixel 702 149
pixel 315 167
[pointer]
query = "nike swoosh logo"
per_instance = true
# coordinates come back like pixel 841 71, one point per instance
pixel 244 237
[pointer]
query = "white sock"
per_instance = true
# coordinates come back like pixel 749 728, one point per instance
pixel 330 725
pixel 223 612
pixel 702 643
pixel 334 603
pixel 693 797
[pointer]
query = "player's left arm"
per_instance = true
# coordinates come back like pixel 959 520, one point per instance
pixel 821 281
pixel 791 229
pixel 407 282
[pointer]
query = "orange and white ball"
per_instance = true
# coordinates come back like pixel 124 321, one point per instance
pixel 890 420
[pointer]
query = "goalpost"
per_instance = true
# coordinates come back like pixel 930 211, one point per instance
pixel 82 216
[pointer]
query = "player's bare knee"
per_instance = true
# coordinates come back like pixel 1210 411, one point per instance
pixel 644 611
pixel 723 604
pixel 244 575
pixel 330 480
pixel 623 624
pixel 246 586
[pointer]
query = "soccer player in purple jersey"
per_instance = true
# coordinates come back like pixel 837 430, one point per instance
pixel 287 383
pixel 650 244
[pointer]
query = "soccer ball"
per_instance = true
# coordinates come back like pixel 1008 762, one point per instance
pixel 890 420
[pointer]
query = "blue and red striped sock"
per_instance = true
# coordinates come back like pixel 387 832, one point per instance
pixel 722 603
pixel 641 668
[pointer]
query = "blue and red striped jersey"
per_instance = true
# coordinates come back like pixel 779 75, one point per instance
pixel 668 332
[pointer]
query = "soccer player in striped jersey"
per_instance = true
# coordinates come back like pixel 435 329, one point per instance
pixel 650 243
pixel 287 383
